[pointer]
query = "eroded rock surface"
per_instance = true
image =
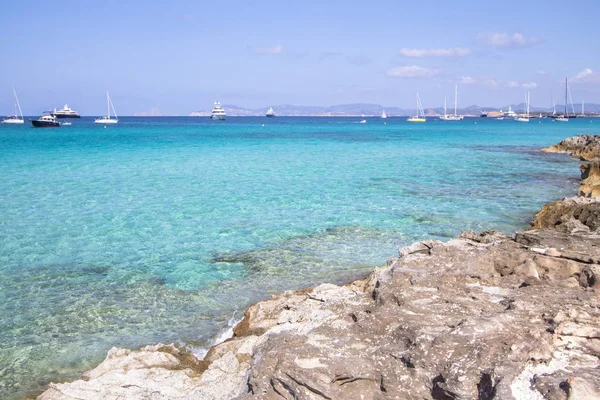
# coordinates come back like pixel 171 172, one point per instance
pixel 479 317
pixel 586 147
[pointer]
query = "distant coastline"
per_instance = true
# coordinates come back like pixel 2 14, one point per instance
pixel 375 110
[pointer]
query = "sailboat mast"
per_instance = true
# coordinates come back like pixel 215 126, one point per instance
pixel 107 105
pixel 566 86
pixel 17 105
pixel 455 98
pixel 445 106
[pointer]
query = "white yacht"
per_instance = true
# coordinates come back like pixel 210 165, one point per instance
pixel 420 117
pixel 218 112
pixel 270 113
pixel 14 119
pixel 383 115
pixel 66 112
pixel 510 113
pixel 107 118
pixel 455 117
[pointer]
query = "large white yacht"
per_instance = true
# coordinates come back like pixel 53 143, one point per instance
pixel 66 112
pixel 218 112
pixel 270 113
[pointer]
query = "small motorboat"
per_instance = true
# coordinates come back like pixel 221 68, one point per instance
pixel 46 121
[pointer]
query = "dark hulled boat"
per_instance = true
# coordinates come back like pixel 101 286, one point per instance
pixel 46 121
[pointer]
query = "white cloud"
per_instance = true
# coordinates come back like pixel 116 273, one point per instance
pixel 505 40
pixel 541 72
pixel 587 76
pixel 412 71
pixel 450 52
pixel 466 80
pixel 515 84
pixel 269 50
pixel 489 82
pixel 586 73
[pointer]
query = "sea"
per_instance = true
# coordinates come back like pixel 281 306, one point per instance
pixel 164 229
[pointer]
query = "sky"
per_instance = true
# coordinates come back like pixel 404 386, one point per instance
pixel 180 56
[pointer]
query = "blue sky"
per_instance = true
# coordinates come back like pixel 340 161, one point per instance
pixel 179 56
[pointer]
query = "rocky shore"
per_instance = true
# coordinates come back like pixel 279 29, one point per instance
pixel 482 316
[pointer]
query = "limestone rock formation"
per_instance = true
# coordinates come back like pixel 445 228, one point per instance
pixel 479 317
pixel 586 147
pixel 590 180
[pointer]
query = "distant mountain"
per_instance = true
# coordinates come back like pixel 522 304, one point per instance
pixel 367 110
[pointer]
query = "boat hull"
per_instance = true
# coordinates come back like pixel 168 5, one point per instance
pixel 13 121
pixel 416 120
pixel 106 121
pixel 44 124
pixel 270 115
pixel 62 116
pixel 218 117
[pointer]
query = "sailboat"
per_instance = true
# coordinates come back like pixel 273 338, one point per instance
pixel 419 117
pixel 383 115
pixel 107 119
pixel 14 119
pixel 454 117
pixel 565 116
pixel 582 108
pixel 524 117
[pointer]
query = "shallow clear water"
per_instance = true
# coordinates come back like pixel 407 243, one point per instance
pixel 160 229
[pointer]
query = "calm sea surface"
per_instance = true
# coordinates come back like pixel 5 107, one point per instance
pixel 165 229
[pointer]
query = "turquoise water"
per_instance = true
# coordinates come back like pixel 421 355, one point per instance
pixel 162 229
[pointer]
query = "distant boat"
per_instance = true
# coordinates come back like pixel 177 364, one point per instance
pixel 66 123
pixel 383 115
pixel 107 119
pixel 14 119
pixel 270 113
pixel 524 117
pixel 510 113
pixel 483 114
pixel 454 117
pixel 66 112
pixel 218 112
pixel 500 118
pixel 420 117
pixel 362 121
pixel 46 121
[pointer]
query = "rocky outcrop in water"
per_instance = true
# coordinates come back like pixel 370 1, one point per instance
pixel 586 147
pixel 479 317
pixel 482 316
